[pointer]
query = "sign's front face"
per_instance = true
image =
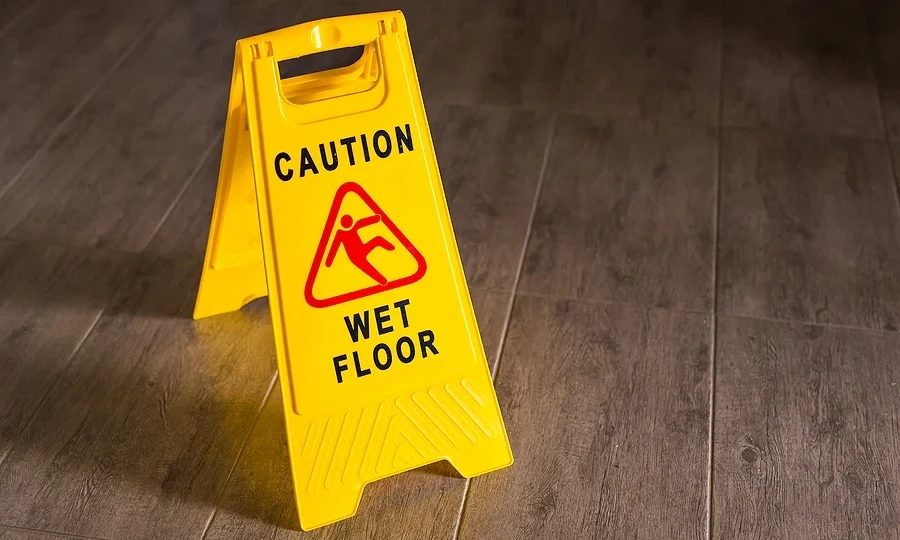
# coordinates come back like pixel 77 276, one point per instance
pixel 366 264
pixel 381 362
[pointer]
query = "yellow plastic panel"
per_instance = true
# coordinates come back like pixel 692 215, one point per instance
pixel 379 354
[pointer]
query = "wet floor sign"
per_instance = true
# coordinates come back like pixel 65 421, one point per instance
pixel 330 201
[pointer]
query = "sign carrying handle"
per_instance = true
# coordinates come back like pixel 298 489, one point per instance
pixel 325 35
pixel 321 36
pixel 318 85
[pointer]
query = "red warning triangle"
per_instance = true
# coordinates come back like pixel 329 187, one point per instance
pixel 347 240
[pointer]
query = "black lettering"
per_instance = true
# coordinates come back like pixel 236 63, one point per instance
pixel 401 305
pixel 348 143
pixel 334 159
pixel 339 367
pixel 285 176
pixel 381 318
pixel 359 325
pixel 387 141
pixel 403 138
pixel 412 350
pixel 387 360
pixel 426 341
pixel 365 145
pixel 359 371
pixel 306 162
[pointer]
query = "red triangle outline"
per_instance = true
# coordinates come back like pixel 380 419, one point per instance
pixel 342 192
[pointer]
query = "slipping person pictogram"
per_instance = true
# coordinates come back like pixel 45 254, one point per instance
pixel 342 230
pixel 357 250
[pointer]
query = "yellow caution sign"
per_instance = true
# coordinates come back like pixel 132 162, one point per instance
pixel 330 201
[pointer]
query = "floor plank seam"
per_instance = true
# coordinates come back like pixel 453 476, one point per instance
pixel 490 290
pixel 52 386
pixel 50 533
pixel 462 509
pixel 53 243
pixel 604 302
pixel 192 177
pixel 237 458
pixel 710 464
pixel 796 132
pixel 504 329
pixel 648 307
pixel 89 95
pixel 521 262
pixel 845 327
pixel 550 109
pixel 23 13
pixel 674 122
pixel 713 325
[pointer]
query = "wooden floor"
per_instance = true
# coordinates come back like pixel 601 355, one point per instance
pixel 679 221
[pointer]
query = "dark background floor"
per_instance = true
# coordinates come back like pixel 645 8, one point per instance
pixel 679 220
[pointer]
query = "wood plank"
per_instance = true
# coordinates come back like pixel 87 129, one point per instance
pixel 184 233
pixel 138 440
pixel 421 504
pixel 116 169
pixel 501 52
pixel 607 407
pixel 53 57
pixel 808 230
pixel 626 215
pixel 490 162
pixel 795 66
pixel 77 40
pixel 49 299
pixel 648 60
pixel 806 432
